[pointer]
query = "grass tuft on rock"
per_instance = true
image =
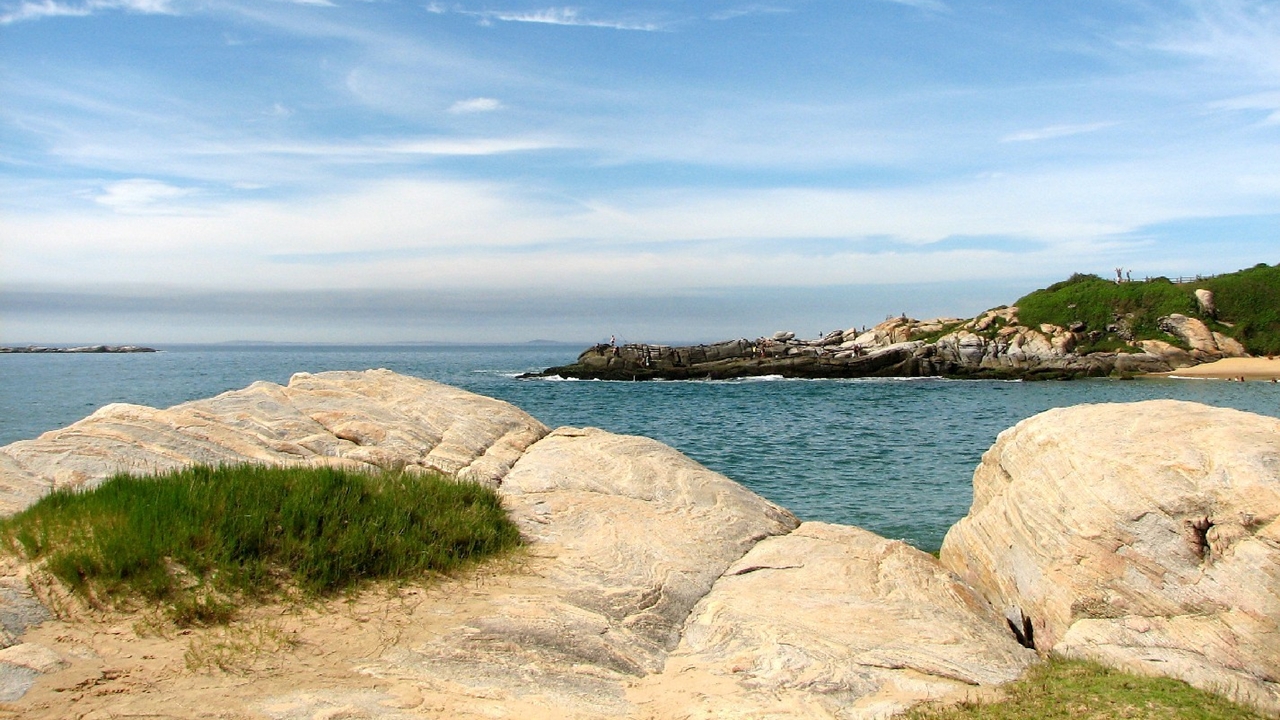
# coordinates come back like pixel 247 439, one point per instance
pixel 202 540
pixel 1061 689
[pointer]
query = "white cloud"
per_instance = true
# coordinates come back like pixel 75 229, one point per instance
pixel 139 195
pixel 748 10
pixel 51 8
pixel 475 105
pixel 1243 34
pixel 1055 131
pixel 930 5
pixel 417 234
pixel 1268 102
pixel 564 16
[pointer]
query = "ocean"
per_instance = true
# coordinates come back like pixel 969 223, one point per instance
pixel 895 456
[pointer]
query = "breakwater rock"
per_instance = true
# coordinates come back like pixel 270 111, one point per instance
pixel 650 587
pixel 992 345
pixel 78 349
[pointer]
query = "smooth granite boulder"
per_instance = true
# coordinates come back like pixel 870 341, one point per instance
pixel 371 419
pixel 1144 535
pixel 832 621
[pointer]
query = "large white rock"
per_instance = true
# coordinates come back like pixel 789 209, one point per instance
pixel 626 535
pixel 832 621
pixel 1144 535
pixel 371 419
pixel 1204 343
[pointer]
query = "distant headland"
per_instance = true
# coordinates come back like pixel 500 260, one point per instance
pixel 1085 326
pixel 79 349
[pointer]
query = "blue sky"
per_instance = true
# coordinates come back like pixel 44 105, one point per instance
pixel 661 169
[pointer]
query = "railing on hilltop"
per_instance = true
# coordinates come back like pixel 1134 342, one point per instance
pixel 1180 280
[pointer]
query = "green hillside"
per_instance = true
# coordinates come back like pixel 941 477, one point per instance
pixel 1248 308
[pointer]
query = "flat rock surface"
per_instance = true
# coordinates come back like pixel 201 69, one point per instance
pixel 1145 535
pixel 833 621
pixel 371 419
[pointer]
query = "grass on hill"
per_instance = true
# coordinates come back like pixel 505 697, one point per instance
pixel 1102 305
pixel 1250 300
pixel 1061 689
pixel 203 540
pixel 1248 308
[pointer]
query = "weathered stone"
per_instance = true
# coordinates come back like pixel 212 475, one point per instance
pixel 1202 341
pixel 34 656
pixel 626 535
pixel 371 419
pixel 836 622
pixel 1144 535
pixel 1204 298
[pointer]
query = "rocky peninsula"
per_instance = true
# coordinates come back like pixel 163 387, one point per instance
pixel 994 345
pixel 1144 535
pixel 79 349
pixel 1084 326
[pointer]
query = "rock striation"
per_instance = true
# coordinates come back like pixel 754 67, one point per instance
pixel 834 621
pixel 992 345
pixel 1143 535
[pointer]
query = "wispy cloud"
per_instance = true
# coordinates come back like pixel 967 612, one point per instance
pixel 475 105
pixel 1268 102
pixel 140 195
pixel 930 5
pixel 51 8
pixel 1055 131
pixel 1241 33
pixel 560 16
pixel 748 10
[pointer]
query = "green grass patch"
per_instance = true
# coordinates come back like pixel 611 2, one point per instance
pixel 1250 301
pixel 1101 304
pixel 1075 690
pixel 203 540
pixel 1248 308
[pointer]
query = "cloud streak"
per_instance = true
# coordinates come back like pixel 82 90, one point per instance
pixel 1055 131
pixel 567 16
pixel 51 8
pixel 475 105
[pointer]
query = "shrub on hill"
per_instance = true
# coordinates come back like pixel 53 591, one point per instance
pixel 202 539
pixel 1250 300
pixel 1248 308
pixel 1115 311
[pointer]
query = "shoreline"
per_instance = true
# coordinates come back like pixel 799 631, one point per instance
pixel 1250 368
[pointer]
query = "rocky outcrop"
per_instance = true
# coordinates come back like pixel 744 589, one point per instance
pixel 992 345
pixel 78 349
pixel 1206 302
pixel 375 419
pixel 1205 344
pixel 618 606
pixel 1145 535
pixel 834 621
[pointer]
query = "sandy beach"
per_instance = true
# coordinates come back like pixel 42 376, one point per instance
pixel 1252 368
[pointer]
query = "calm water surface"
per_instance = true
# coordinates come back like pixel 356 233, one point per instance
pixel 893 456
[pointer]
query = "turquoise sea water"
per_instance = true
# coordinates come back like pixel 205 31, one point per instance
pixel 893 456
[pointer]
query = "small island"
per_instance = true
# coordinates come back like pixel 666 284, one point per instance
pixel 1082 327
pixel 79 349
